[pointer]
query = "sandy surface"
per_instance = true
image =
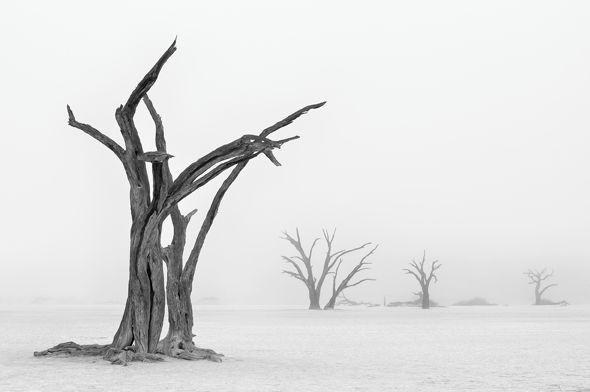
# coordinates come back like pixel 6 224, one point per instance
pixel 284 349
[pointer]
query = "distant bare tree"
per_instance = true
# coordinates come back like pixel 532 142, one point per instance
pixel 537 277
pixel 423 277
pixel 303 269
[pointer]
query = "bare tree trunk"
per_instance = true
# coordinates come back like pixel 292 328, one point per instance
pixel 158 301
pixel 178 342
pixel 425 298
pixel 538 293
pixel 314 299
pixel 331 303
pixel 124 335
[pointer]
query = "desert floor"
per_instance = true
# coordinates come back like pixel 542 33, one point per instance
pixel 496 348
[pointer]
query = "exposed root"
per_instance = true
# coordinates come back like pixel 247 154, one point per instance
pixel 74 350
pixel 128 354
pixel 113 355
pixel 199 353
pixel 187 351
pixel 177 347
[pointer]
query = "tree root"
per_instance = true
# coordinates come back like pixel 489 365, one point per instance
pixel 113 355
pixel 126 355
pixel 196 354
pixel 176 347
pixel 74 350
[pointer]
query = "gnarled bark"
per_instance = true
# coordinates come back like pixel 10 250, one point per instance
pixel 138 335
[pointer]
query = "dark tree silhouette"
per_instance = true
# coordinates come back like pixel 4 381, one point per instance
pixel 423 277
pixel 537 278
pixel 138 335
pixel 303 269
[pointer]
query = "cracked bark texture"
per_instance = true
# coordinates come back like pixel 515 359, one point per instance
pixel 149 292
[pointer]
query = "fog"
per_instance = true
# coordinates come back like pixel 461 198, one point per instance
pixel 458 128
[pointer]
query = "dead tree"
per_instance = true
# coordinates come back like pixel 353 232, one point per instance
pixel 423 277
pixel 537 277
pixel 303 269
pixel 339 288
pixel 138 335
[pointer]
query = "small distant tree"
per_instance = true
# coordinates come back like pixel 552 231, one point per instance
pixel 303 269
pixel 423 277
pixel 537 278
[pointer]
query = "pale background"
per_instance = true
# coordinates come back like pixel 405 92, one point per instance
pixel 457 127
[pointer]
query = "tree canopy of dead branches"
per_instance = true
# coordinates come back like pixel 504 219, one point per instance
pixel 301 267
pixel 537 278
pixel 424 277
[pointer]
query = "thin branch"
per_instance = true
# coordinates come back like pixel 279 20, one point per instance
pixel 419 272
pixel 547 287
pixel 408 271
pixel 289 119
pixel 345 252
pixel 359 282
pixel 294 264
pixel 360 266
pixel 547 276
pixel 294 275
pixel 298 245
pixel 311 249
pixel 433 268
pixel 538 276
pixel 191 264
pixel 160 138
pixel 245 148
pixel 176 196
pixel 148 81
pixel 187 217
pixel 326 266
pixel 96 134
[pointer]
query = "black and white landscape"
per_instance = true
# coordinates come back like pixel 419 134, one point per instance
pixel 295 196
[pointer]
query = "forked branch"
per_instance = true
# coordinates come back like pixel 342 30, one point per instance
pixel 332 261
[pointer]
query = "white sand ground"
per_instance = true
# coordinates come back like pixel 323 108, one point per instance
pixel 285 349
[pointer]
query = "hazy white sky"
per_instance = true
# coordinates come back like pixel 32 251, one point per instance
pixel 456 127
